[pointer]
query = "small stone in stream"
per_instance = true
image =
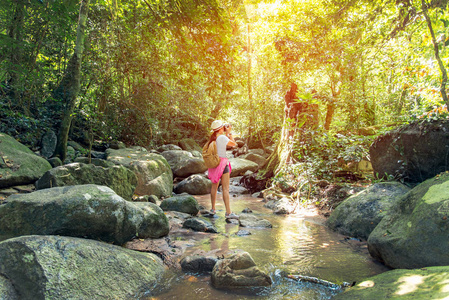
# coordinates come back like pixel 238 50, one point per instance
pixel 232 221
pixel 200 225
pixel 247 210
pixel 243 233
pixel 198 264
pixel 206 213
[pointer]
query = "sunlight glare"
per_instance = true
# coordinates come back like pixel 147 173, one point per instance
pixel 445 287
pixel 366 284
pixel 410 284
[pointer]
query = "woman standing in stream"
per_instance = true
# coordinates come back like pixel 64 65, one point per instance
pixel 222 136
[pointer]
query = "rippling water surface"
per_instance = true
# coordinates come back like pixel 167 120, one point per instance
pixel 297 244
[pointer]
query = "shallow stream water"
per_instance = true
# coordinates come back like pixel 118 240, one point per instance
pixel 297 244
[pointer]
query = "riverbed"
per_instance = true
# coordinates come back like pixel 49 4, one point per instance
pixel 297 244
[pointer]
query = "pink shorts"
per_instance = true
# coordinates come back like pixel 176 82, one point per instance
pixel 216 173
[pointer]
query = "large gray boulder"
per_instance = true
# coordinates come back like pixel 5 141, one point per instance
pixel 7 290
pixel 358 215
pixel 56 267
pixel 414 234
pixel 194 185
pixel 18 164
pixel 120 179
pixel 413 153
pixel 238 271
pixel 183 164
pixel 258 159
pixel 426 283
pixel 240 166
pixel 90 211
pixel 154 176
pixel 182 203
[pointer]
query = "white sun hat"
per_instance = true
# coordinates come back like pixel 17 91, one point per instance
pixel 216 125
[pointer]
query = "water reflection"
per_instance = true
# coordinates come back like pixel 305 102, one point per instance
pixel 295 245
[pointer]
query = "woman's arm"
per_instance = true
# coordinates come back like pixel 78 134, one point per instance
pixel 228 133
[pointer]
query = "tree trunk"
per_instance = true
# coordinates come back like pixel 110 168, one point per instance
pixel 296 115
pixel 437 54
pixel 68 89
pixel 329 115
pixel 15 56
pixel 251 130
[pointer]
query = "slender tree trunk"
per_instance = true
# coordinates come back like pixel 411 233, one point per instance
pixel 296 115
pixel 68 89
pixel 329 115
pixel 437 54
pixel 250 95
pixel 15 56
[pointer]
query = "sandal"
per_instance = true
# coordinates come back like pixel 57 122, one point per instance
pixel 232 216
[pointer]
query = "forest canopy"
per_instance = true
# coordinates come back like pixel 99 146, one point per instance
pixel 152 72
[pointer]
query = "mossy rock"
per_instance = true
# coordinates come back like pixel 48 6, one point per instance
pixel 58 267
pixel 415 233
pixel 182 203
pixel 88 211
pixel 358 215
pixel 120 179
pixel 426 283
pixel 154 175
pixel 189 144
pixel 18 164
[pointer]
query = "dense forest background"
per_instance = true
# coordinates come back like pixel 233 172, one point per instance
pixel 150 72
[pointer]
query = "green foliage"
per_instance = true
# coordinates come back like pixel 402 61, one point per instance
pixel 157 71
pixel 319 155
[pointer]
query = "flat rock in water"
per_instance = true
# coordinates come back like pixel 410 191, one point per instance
pixel 243 233
pixel 282 206
pixel 252 221
pixel 198 263
pixel 200 225
pixel 57 267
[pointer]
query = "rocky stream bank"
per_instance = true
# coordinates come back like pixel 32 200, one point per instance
pixel 61 223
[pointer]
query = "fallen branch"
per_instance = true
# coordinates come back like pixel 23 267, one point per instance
pixel 321 281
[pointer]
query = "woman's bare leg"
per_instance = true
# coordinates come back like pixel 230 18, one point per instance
pixel 213 194
pixel 225 179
